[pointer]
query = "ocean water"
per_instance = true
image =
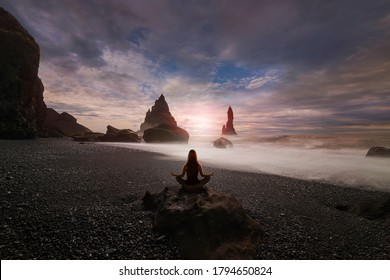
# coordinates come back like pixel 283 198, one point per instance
pixel 338 161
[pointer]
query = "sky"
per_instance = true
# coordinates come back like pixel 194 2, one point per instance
pixel 285 67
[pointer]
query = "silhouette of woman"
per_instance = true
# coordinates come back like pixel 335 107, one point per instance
pixel 192 168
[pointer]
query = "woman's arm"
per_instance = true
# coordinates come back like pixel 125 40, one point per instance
pixel 182 172
pixel 201 172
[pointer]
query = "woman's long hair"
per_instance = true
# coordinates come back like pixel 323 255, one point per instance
pixel 192 159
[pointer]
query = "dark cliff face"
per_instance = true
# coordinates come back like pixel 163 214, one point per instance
pixel 22 109
pixel 158 115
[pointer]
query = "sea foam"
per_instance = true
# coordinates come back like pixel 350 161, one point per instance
pixel 342 166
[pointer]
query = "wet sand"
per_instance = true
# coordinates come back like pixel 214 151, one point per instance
pixel 65 200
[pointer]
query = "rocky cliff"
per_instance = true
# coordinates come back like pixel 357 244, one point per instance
pixel 22 109
pixel 64 124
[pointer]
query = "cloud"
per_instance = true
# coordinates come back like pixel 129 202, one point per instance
pixel 304 65
pixel 258 82
pixel 110 90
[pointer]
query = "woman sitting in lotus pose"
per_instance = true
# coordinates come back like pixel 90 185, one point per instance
pixel 192 168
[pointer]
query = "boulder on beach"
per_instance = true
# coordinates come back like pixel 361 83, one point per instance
pixel 64 124
pixel 222 143
pixel 166 133
pixel 120 135
pixel 206 224
pixel 157 115
pixel 228 129
pixel 22 109
pixel 378 152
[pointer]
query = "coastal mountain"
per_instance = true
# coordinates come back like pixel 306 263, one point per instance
pixel 159 114
pixel 22 109
pixel 64 124
pixel 228 129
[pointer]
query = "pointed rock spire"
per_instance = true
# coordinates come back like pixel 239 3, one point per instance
pixel 159 114
pixel 228 129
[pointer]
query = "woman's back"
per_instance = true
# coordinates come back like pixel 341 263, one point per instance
pixel 192 173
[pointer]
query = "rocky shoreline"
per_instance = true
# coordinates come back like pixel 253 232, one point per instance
pixel 64 200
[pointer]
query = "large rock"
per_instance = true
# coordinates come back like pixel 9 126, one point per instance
pixel 22 109
pixel 378 152
pixel 120 135
pixel 112 135
pixel 207 225
pixel 228 129
pixel 63 124
pixel 166 133
pixel 158 115
pixel 222 143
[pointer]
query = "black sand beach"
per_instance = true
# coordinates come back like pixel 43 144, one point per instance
pixel 64 200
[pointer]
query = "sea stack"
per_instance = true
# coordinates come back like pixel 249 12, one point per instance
pixel 160 125
pixel 228 129
pixel 159 114
pixel 22 109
